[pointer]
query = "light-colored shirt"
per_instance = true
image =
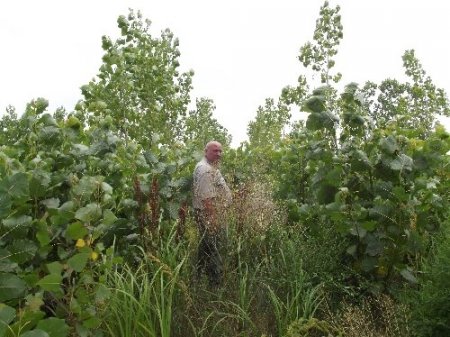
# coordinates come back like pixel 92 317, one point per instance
pixel 209 184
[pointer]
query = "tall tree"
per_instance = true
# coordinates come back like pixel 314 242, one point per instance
pixel 269 123
pixel 411 105
pixel 139 85
pixel 327 36
pixel 200 126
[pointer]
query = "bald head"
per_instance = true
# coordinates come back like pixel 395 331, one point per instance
pixel 213 152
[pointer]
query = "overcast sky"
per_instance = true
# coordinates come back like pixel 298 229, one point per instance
pixel 241 51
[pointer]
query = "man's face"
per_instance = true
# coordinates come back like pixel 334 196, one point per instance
pixel 213 153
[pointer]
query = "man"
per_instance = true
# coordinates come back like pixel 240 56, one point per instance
pixel 211 197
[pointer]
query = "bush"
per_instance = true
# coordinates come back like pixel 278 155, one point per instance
pixel 431 302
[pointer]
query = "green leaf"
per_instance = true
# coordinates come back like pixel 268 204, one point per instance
pixel 150 157
pixel 22 250
pixel 78 261
pixel 62 217
pixel 76 231
pixel 173 208
pixel 35 333
pixel 321 120
pixel 80 149
pixel 55 268
pixel 400 193
pixel 333 177
pixel 102 294
pixel 401 163
pixel 357 230
pixel 48 120
pixel 90 212
pixel 51 203
pixel 109 217
pixel 407 275
pixel 107 188
pixel 360 161
pixel 86 186
pixel 351 250
pixel 15 222
pixel 389 145
pixel 55 327
pixel 374 246
pixel 39 184
pixel 5 205
pixel 7 315
pixel 51 282
pixel 325 193
pixel 368 263
pixel 67 206
pixel 369 225
pixel 6 265
pixel 92 323
pixel 11 286
pixel 49 134
pixel 314 104
pixel 43 237
pixel 29 316
pixel 16 185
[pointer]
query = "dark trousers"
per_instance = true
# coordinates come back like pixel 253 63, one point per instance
pixel 209 259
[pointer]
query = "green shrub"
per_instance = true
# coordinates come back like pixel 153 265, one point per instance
pixel 431 303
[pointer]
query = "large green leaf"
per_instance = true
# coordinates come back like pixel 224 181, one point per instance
pixel 78 261
pixel 333 176
pixel 374 245
pixel 5 205
pixel 43 236
pixel 22 250
pixel 51 202
pixel 39 183
pixel 325 193
pixel 7 314
pixel 48 120
pixel 51 282
pixel 402 163
pixel 407 275
pixel 35 333
pixel 76 231
pixel 62 217
pixel 90 212
pixel 19 221
pixel 16 185
pixel 55 268
pixel 107 188
pixel 55 327
pixel 11 286
pixel 321 120
pixel 360 161
pixel 109 217
pixel 86 186
pixel 358 230
pixel 49 134
pixel 389 145
pixel 314 104
pixel 6 265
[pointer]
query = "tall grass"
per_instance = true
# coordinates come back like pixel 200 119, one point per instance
pixel 430 303
pixel 142 300
pixel 130 312
pixel 300 301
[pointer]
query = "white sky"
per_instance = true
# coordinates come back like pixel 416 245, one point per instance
pixel 241 51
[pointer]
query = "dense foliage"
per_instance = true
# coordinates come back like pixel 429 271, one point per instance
pixel 339 224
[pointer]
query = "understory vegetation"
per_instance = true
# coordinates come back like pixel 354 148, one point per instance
pixel 339 224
